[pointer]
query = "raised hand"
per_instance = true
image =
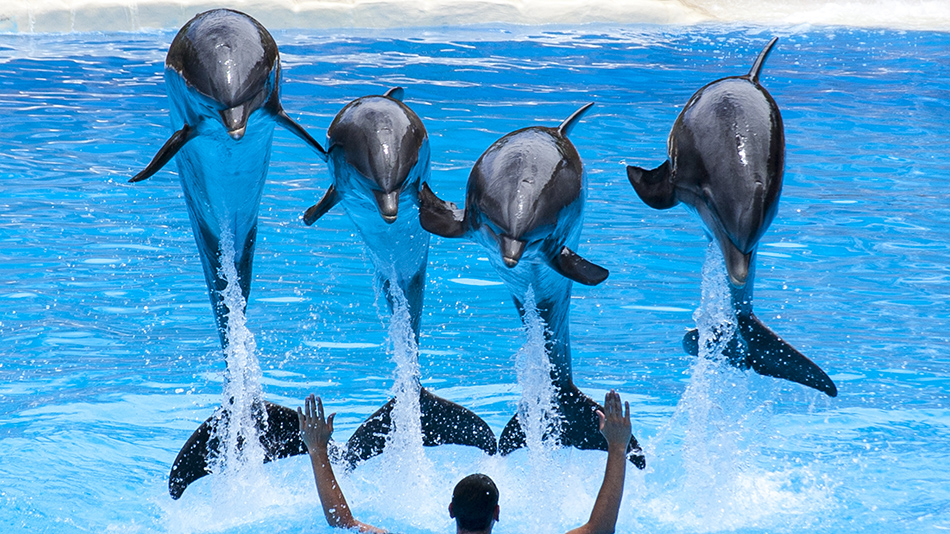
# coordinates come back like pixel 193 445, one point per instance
pixel 315 430
pixel 615 421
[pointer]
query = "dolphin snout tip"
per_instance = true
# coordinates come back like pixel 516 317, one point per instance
pixel 510 262
pixel 237 133
pixel 389 218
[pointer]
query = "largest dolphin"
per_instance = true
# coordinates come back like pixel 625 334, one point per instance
pixel 222 75
pixel 726 162
pixel 524 204
pixel 378 155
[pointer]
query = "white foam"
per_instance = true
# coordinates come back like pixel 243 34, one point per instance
pixel 138 15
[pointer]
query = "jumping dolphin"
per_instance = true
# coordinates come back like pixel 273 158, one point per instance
pixel 222 75
pixel 524 203
pixel 726 161
pixel 378 155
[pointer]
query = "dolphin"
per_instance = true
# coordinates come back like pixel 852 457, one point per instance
pixel 222 75
pixel 378 156
pixel 524 203
pixel 726 162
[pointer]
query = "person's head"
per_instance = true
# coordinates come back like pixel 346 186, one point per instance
pixel 474 503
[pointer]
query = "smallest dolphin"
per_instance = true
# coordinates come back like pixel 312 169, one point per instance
pixel 726 162
pixel 524 204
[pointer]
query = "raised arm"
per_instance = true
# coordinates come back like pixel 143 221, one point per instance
pixel 615 426
pixel 315 431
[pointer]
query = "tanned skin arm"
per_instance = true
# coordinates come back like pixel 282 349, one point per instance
pixel 615 426
pixel 315 431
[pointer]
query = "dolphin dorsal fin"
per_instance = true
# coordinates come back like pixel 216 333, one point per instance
pixel 396 93
pixel 760 61
pixel 565 128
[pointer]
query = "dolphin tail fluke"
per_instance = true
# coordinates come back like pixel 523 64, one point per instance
pixel 579 427
pixel 654 187
pixel 330 199
pixel 284 120
pixel 569 265
pixel 443 423
pixel 440 217
pixel 279 435
pixel 760 61
pixel 166 153
pixel 767 354
pixel 565 128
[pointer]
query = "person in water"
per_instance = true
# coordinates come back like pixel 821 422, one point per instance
pixel 474 503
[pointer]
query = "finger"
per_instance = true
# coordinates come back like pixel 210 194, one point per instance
pixel 626 414
pixel 320 408
pixel 601 419
pixel 301 420
pixel 309 408
pixel 330 422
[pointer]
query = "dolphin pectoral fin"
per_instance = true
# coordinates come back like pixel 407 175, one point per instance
pixel 565 128
pixel 284 120
pixel 396 93
pixel 769 355
pixel 279 436
pixel 579 427
pixel 569 265
pixel 443 423
pixel 167 152
pixel 330 199
pixel 440 217
pixel 654 187
pixel 760 61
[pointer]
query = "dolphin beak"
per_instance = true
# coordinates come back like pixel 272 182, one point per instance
pixel 235 121
pixel 388 204
pixel 511 250
pixel 738 264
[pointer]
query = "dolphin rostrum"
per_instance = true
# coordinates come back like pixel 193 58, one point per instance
pixel 726 162
pixel 222 75
pixel 524 204
pixel 378 155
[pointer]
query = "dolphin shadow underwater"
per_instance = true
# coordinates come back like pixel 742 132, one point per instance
pixel 726 163
pixel 222 75
pixel 378 156
pixel 524 204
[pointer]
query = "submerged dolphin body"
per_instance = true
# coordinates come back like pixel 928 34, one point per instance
pixel 525 203
pixel 222 74
pixel 378 155
pixel 726 161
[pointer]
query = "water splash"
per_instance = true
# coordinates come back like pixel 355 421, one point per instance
pixel 709 456
pixel 537 410
pixel 238 461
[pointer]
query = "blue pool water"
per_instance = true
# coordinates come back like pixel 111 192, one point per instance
pixel 110 360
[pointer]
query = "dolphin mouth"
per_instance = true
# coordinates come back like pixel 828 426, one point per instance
pixel 235 121
pixel 511 250
pixel 388 204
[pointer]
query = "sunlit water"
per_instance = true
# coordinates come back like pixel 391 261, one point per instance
pixel 110 358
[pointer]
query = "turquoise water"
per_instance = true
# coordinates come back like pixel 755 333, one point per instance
pixel 110 358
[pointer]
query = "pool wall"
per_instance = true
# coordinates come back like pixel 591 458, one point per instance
pixel 54 16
